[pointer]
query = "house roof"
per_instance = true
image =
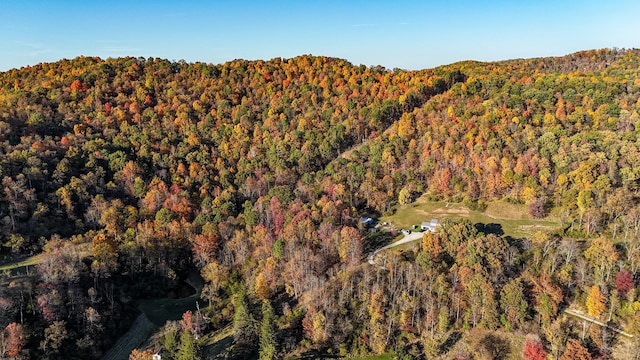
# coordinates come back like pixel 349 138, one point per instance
pixel 433 223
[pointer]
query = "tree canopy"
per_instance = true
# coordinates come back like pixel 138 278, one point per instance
pixel 128 175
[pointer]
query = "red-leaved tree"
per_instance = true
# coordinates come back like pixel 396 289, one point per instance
pixel 13 339
pixel 533 349
pixel 624 281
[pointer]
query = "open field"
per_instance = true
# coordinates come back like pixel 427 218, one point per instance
pixel 160 310
pixel 155 313
pixel 29 261
pixel 498 344
pixel 141 329
pixel 513 218
pixel 19 270
pixel 24 265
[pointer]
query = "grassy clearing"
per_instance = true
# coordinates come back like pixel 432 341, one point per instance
pixel 498 344
pixel 513 218
pixel 214 337
pixel 155 313
pixel 410 246
pixel 379 239
pixel 19 266
pixel 160 310
pixel 141 329
pixel 32 260
pixel 217 345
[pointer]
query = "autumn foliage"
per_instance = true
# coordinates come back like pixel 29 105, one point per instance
pixel 533 349
pixel 130 176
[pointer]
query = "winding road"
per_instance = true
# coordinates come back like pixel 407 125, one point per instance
pixel 407 238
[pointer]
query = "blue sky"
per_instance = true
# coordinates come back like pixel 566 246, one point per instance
pixel 403 34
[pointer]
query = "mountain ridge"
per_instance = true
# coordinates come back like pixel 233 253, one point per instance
pixel 256 174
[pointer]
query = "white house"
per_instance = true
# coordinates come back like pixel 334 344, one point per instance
pixel 366 221
pixel 429 226
pixel 157 355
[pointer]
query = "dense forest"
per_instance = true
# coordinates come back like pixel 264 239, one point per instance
pixel 125 177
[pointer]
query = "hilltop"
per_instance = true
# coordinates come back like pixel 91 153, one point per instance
pixel 254 174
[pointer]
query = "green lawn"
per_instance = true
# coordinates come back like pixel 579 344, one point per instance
pixel 217 344
pixel 17 266
pixel 162 309
pixel 513 218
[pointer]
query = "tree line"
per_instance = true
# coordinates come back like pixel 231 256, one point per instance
pixel 255 173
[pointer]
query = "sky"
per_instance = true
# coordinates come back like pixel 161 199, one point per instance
pixel 395 34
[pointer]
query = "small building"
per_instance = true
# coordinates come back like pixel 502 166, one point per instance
pixel 429 226
pixel 367 221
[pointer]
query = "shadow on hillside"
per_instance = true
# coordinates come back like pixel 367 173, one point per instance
pixel 377 240
pixel 177 300
pixel 448 344
pixel 493 228
pixel 313 354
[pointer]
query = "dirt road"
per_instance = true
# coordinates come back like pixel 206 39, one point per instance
pixel 407 238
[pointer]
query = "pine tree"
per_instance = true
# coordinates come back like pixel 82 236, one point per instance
pixel 187 349
pixel 170 340
pixel 268 341
pixel 513 303
pixel 243 328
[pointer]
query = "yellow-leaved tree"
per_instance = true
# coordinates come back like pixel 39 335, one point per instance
pixel 595 301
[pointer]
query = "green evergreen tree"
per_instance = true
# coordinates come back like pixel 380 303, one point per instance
pixel 187 349
pixel 243 328
pixel 268 341
pixel 170 341
pixel 513 303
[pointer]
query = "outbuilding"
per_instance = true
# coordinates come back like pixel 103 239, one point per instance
pixel 429 226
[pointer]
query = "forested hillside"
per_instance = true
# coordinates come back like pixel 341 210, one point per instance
pixel 130 175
